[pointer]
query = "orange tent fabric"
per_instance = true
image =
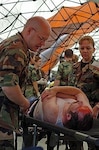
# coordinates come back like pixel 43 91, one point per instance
pixel 73 21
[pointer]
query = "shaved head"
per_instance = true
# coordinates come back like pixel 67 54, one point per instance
pixel 39 23
pixel 35 32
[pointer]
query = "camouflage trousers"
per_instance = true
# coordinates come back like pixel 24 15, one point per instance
pixel 6 139
pixel 8 123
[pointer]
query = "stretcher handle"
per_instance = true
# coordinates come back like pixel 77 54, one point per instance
pixel 72 133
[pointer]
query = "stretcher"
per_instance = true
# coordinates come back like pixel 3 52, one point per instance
pixel 45 128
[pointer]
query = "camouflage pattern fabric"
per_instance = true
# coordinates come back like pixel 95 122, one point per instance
pixel 13 70
pixel 87 79
pixel 9 114
pixel 6 139
pixel 64 73
pixel 33 75
pixel 13 61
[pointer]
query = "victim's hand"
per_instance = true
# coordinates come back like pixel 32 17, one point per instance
pixel 47 94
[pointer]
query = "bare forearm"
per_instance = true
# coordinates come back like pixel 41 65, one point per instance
pixel 69 90
pixel 65 96
pixel 72 92
pixel 14 94
pixel 61 91
pixel 35 85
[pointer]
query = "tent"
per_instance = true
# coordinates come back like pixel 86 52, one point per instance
pixel 72 22
pixel 69 21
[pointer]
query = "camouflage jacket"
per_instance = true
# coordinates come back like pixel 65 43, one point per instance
pixel 87 79
pixel 33 75
pixel 63 73
pixel 13 69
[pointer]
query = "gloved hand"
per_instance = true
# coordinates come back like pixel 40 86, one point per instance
pixel 42 81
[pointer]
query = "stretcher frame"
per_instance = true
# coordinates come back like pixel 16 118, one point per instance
pixel 91 136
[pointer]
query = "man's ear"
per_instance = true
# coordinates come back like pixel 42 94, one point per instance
pixel 68 116
pixel 29 30
pixel 94 50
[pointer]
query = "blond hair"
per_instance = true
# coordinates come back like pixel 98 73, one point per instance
pixel 88 38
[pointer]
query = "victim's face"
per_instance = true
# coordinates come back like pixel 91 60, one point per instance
pixel 74 106
pixel 70 107
pixel 79 108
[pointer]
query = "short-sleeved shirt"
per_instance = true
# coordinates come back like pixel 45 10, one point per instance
pixel 63 73
pixel 13 69
pixel 13 61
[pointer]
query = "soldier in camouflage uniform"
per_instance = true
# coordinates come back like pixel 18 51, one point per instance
pixel 64 69
pixel 86 74
pixel 33 87
pixel 33 90
pixel 14 52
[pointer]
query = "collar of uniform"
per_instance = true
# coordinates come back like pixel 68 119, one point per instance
pixel 23 41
